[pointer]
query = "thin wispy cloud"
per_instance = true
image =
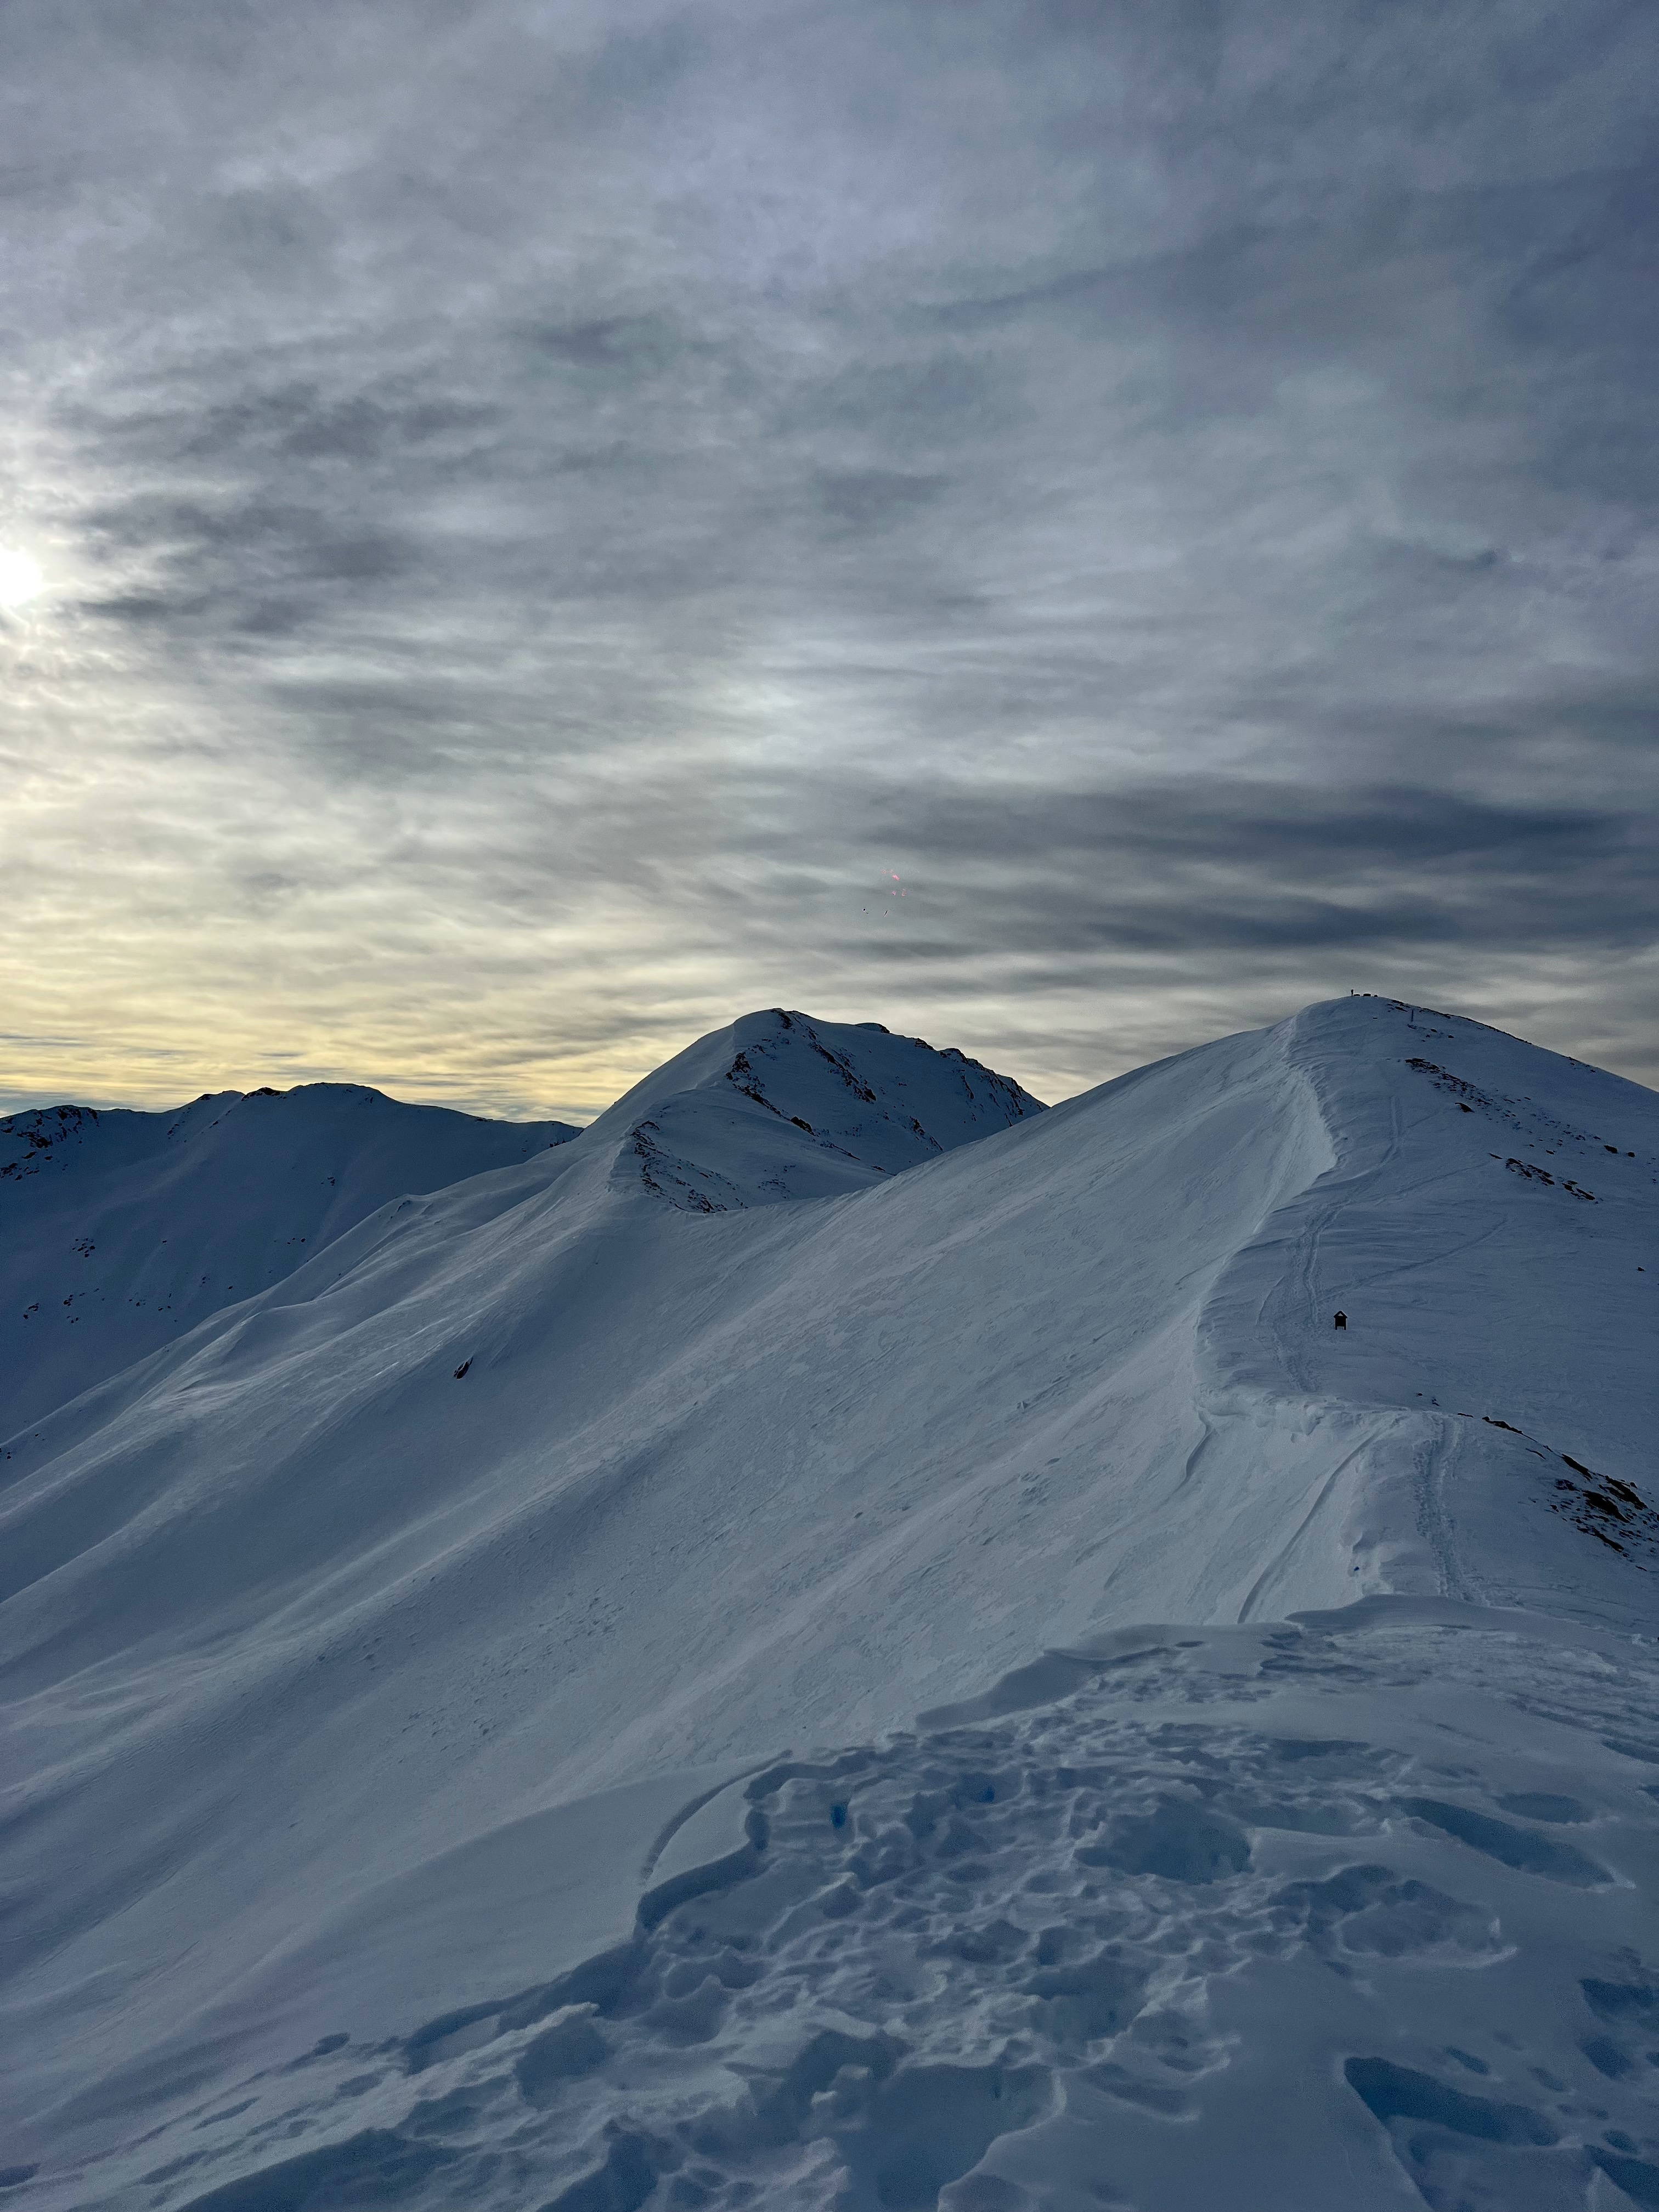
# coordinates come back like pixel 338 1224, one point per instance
pixel 544 510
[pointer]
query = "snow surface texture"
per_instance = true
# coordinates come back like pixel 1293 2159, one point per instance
pixel 378 1650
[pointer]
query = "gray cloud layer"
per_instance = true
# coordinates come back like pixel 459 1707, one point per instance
pixel 550 511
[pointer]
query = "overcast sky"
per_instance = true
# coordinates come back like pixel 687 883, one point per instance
pixel 550 518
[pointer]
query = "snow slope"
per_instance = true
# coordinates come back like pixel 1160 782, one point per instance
pixel 371 1648
pixel 120 1231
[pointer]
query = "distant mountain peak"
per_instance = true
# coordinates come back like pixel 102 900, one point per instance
pixel 120 1231
pixel 782 1106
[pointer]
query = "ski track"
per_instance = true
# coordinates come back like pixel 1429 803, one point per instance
pixel 1270 1572
pixel 1436 1452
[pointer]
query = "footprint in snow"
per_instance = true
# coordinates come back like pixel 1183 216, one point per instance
pixel 952 1970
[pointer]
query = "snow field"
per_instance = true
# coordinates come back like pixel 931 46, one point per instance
pixel 347 1693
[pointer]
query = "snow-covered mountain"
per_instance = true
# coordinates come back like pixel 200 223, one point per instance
pixel 120 1231
pixel 777 1107
pixel 545 1703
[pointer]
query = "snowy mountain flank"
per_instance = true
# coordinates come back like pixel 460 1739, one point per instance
pixel 841 1638
pixel 129 1229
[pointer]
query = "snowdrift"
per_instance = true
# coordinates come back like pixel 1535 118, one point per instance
pixel 542 1703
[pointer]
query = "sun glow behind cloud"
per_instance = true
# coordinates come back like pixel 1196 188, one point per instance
pixel 20 577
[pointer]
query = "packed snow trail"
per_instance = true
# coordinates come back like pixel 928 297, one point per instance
pixel 528 1511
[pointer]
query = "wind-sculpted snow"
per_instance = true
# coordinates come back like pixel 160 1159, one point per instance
pixel 1240 1913
pixel 521 1517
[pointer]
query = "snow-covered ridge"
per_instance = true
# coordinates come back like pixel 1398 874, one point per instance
pixel 397 1625
pixel 1487 1222
pixel 121 1231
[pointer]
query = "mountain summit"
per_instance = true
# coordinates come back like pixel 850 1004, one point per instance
pixel 779 1107
pixel 841 1638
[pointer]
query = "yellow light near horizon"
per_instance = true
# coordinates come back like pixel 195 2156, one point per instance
pixel 19 576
